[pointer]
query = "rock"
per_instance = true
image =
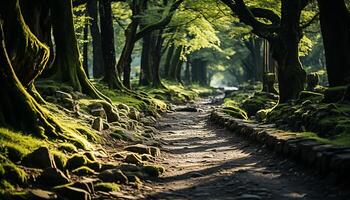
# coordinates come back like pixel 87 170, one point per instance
pixel 107 187
pixel 40 158
pixel 134 159
pixel 97 124
pixel 52 177
pixel 146 157
pixel 153 170
pixel 155 151
pixel 83 171
pixel 39 194
pixel 334 94
pixel 123 107
pixel 138 148
pixel 312 81
pixel 127 167
pixel 196 174
pixel 63 95
pixel 134 114
pixel 84 185
pixel 76 161
pixel 69 192
pixel 69 104
pixel 99 112
pixel 106 126
pixel 148 121
pixel 113 175
pixel 94 165
pixel 186 109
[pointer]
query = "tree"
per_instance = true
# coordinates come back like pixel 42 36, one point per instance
pixel 284 34
pixel 22 58
pixel 334 19
pixel 98 65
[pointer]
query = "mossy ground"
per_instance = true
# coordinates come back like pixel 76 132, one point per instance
pixel 323 117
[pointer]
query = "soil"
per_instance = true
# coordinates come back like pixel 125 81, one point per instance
pixel 204 161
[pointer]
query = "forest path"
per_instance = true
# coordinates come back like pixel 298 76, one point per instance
pixel 203 161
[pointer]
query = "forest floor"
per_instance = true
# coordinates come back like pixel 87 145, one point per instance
pixel 203 161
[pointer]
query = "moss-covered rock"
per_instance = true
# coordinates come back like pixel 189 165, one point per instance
pixel 39 158
pixel 153 170
pixel 113 175
pixel 67 147
pixel 133 158
pixel 138 148
pixel 235 112
pixel 83 171
pixel 52 177
pixel 76 161
pixel 107 187
pixel 95 165
pixel 60 160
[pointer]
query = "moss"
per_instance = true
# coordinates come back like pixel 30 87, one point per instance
pixel 235 112
pixel 60 159
pixel 153 170
pixel 5 185
pixel 68 147
pixel 10 172
pixel 82 171
pixel 90 156
pixel 107 187
pixel 15 145
pixel 76 161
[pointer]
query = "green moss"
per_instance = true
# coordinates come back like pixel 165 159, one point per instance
pixel 153 170
pixel 76 161
pixel 107 187
pixel 10 172
pixel 235 112
pixel 5 185
pixel 82 171
pixel 60 159
pixel 15 145
pixel 68 147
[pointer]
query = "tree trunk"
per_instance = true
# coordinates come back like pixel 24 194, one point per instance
pixel 18 109
pixel 111 75
pixel 174 63
pixel 156 52
pixel 98 65
pixel 85 50
pixel 178 71
pixel 145 71
pixel 334 19
pixel 291 75
pixel 170 53
pixel 188 72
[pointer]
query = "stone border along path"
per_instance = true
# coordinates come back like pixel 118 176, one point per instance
pixel 204 161
pixel 325 158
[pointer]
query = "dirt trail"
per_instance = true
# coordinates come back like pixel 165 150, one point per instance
pixel 206 162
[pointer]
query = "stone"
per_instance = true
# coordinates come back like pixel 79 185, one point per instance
pixel 63 95
pixel 113 175
pixel 98 112
pixel 40 158
pixel 138 148
pixel 76 161
pixel 83 171
pixel 106 126
pixel 107 187
pixel 134 114
pixel 153 170
pixel 312 81
pixel 97 124
pixel 148 121
pixel 134 159
pixel 248 197
pixel 69 192
pixel 69 104
pixel 52 177
pixel 186 109
pixel 127 167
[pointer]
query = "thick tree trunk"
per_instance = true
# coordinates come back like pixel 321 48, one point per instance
pixel 145 71
pixel 18 109
pixel 125 60
pixel 67 67
pixel 188 72
pixel 156 52
pixel 291 75
pixel 111 75
pixel 175 59
pixel 178 71
pixel 335 24
pixel 170 53
pixel 98 65
pixel 85 50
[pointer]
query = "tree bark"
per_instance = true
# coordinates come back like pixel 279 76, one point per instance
pixel 111 75
pixel 156 58
pixel 18 109
pixel 334 19
pixel 145 71
pixel 85 50
pixel 98 65
pixel 170 53
pixel 175 59
pixel 291 75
